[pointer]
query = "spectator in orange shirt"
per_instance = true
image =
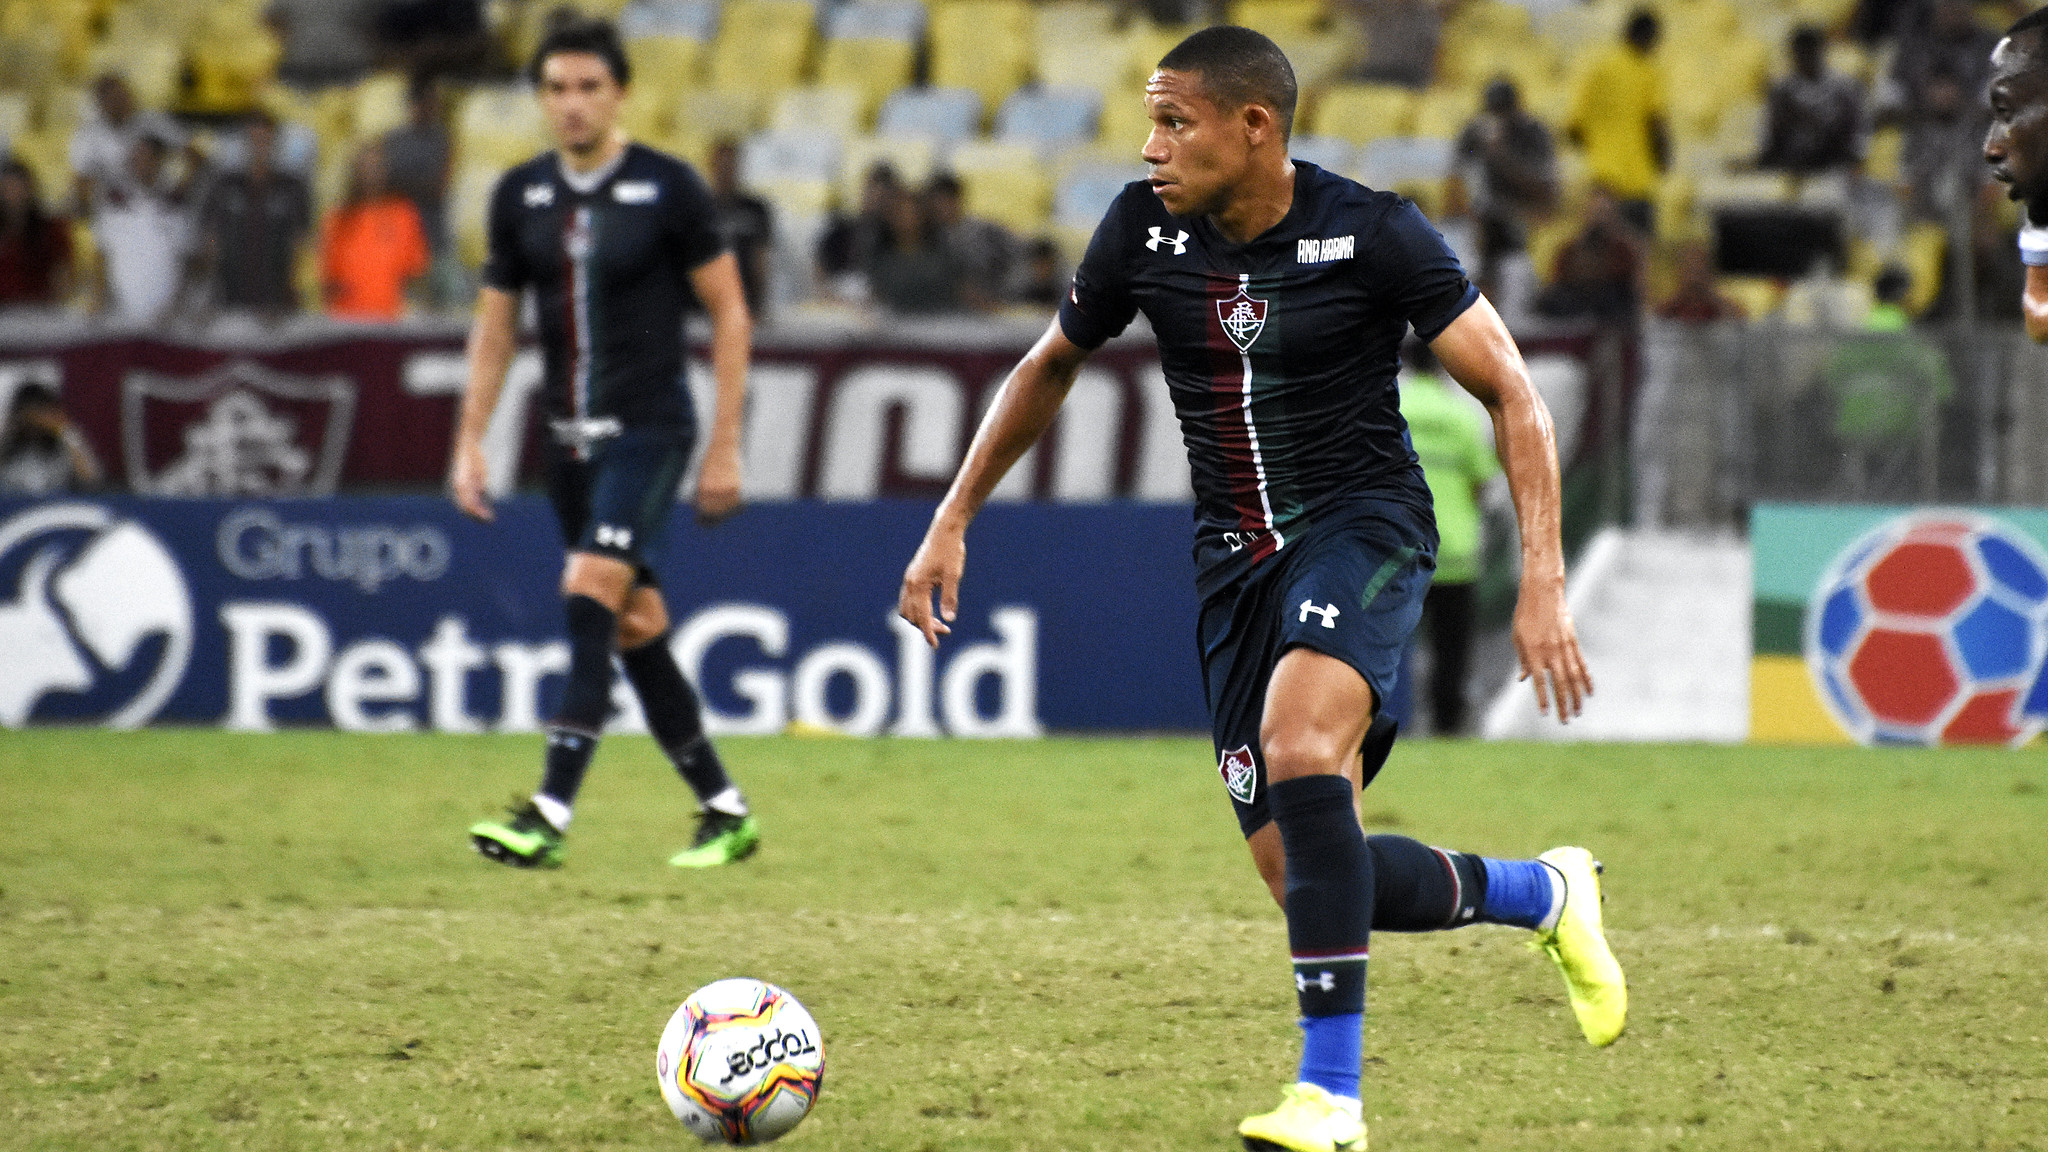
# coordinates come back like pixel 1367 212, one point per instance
pixel 374 246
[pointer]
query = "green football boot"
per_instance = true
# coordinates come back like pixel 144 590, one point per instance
pixel 525 840
pixel 1578 946
pixel 1308 1119
pixel 721 838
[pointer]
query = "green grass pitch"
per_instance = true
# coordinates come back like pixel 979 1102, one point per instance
pixel 216 941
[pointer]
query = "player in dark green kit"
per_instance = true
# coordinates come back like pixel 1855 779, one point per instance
pixel 613 240
pixel 1279 294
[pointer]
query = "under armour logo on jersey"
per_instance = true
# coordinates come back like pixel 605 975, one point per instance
pixel 612 536
pixel 539 195
pixel 1329 613
pixel 1179 240
pixel 1327 981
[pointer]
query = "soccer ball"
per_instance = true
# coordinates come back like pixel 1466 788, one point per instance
pixel 740 1062
pixel 1932 629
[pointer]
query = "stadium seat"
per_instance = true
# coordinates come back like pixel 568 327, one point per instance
pixel 469 203
pixel 1005 183
pixel 820 109
pixel 499 127
pixel 874 68
pixel 1049 119
pixel 1317 57
pixel 940 114
pixel 983 45
pixel 1442 113
pixel 1086 189
pixel 663 66
pixel 1325 152
pixel 790 155
pixel 898 20
pixel 912 157
pixel 380 105
pixel 231 57
pixel 14 116
pixel 762 45
pixel 1402 163
pixel 687 19
pixel 1363 112
pixel 714 113
pixel 1072 46
pixel 1124 123
pixel 1280 18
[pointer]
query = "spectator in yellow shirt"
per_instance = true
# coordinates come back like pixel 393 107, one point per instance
pixel 1618 118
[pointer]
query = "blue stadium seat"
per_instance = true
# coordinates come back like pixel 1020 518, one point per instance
pixel 1325 152
pixel 1087 189
pixel 942 114
pixel 1397 161
pixel 1049 119
pixel 689 19
pixel 876 20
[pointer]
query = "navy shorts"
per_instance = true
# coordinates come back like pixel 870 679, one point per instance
pixel 615 501
pixel 1351 589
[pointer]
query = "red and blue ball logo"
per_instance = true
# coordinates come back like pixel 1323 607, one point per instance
pixel 1933 629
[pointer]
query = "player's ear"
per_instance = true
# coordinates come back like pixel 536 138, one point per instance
pixel 1258 121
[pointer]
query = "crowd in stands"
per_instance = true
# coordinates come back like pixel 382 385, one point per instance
pixel 168 161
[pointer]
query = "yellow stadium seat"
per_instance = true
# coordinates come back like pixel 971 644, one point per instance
pixel 665 65
pixel 152 67
pixel 1885 154
pixel 380 104
pixel 230 58
pixel 14 114
pixel 1364 112
pixel 912 157
pixel 1145 44
pixel 1069 36
pixel 1317 56
pixel 469 204
pixel 762 45
pixel 819 109
pixel 874 68
pixel 1442 113
pixel 499 127
pixel 981 45
pixel 1280 18
pixel 1005 183
pixel 1124 124
pixel 717 113
pixel 1924 251
pixel 1758 295
pixel 795 197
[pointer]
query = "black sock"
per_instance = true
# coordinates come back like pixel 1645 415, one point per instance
pixel 1329 892
pixel 675 716
pixel 572 737
pixel 1417 888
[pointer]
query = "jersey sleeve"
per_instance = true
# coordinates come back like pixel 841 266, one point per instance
pixel 1414 273
pixel 693 219
pixel 504 266
pixel 1099 304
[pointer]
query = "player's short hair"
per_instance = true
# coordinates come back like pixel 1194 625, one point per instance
pixel 583 34
pixel 2030 34
pixel 1238 67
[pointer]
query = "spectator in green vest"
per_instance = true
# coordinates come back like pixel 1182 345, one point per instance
pixel 1886 385
pixel 1449 434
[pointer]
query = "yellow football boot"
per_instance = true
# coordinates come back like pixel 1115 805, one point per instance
pixel 1576 944
pixel 1308 1119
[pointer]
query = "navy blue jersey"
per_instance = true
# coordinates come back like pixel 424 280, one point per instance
pixel 1281 354
pixel 610 272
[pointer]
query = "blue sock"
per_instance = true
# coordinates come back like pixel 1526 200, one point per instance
pixel 1518 892
pixel 1332 1050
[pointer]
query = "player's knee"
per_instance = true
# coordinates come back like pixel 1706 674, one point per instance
pixel 602 578
pixel 642 623
pixel 1294 750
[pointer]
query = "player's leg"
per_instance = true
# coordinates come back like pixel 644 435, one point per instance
pixel 1317 712
pixel 726 830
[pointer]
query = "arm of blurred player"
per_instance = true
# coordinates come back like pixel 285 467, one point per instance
pixel 2034 304
pixel 732 342
pixel 1479 354
pixel 492 337
pixel 1023 409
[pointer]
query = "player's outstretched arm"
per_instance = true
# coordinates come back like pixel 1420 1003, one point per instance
pixel 1479 354
pixel 717 282
pixel 2034 304
pixel 1023 409
pixel 493 335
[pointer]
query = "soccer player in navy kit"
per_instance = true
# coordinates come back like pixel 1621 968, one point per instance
pixel 612 238
pixel 1279 294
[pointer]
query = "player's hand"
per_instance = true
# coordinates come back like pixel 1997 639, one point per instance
pixel 718 484
pixel 466 482
pixel 1549 650
pixel 937 566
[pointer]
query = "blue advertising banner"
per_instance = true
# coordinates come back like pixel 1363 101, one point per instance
pixel 398 614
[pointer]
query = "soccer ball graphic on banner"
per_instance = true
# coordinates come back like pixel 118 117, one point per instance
pixel 740 1062
pixel 1932 629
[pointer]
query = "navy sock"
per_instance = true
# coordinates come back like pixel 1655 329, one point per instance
pixel 572 738
pixel 1329 910
pixel 1518 892
pixel 675 716
pixel 1417 888
pixel 1332 1052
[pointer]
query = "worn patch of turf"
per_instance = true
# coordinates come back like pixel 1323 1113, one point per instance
pixel 211 940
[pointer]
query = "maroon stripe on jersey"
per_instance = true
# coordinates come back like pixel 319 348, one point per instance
pixel 1233 430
